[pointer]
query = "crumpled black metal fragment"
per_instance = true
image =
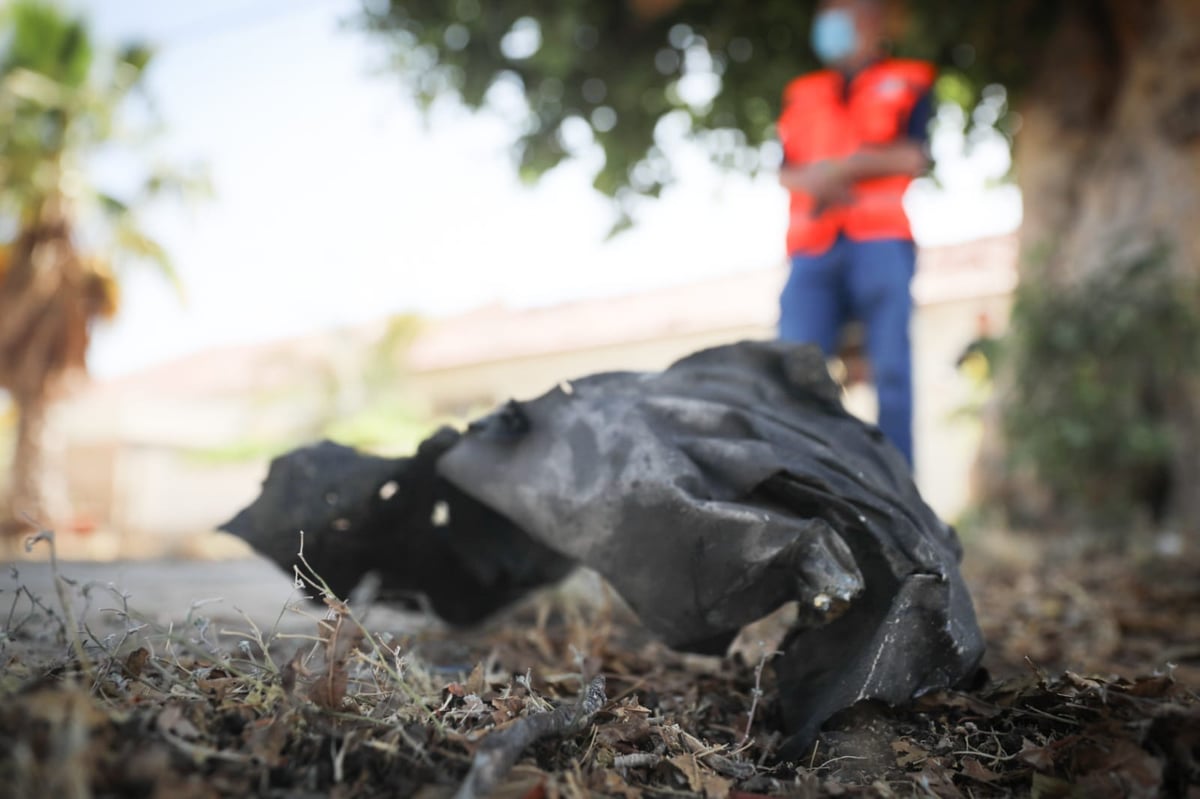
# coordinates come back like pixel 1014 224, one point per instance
pixel 425 539
pixel 708 495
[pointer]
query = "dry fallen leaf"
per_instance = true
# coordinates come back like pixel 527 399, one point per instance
pixel 506 708
pixel 341 638
pixel 1040 757
pixel 476 681
pixel 972 768
pixel 908 753
pixel 631 730
pixel 690 769
pixel 135 661
pixel 611 783
pixel 265 738
pixel 715 786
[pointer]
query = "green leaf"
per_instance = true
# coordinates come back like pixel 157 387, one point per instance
pixel 594 56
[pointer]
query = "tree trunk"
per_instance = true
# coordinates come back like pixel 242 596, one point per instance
pixel 1108 160
pixel 25 487
pixel 49 296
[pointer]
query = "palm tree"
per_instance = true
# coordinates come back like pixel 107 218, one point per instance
pixel 59 103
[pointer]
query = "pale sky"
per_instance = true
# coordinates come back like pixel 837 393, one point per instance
pixel 336 203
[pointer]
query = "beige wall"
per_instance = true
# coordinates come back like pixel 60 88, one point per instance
pixel 946 439
pixel 158 490
pixel 468 388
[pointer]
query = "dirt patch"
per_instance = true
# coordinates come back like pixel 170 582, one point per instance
pixel 1093 692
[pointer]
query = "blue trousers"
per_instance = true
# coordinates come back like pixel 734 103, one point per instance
pixel 866 281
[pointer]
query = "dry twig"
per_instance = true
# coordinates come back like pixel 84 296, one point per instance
pixel 755 694
pixel 501 748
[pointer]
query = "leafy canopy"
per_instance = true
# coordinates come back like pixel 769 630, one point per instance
pixel 613 73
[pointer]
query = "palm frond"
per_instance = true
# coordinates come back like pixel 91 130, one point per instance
pixel 132 245
pixel 46 41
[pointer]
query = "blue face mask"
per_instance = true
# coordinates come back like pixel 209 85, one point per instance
pixel 833 36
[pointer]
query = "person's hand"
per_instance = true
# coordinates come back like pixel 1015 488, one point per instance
pixel 824 181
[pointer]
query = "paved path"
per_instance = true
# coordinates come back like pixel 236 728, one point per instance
pixel 165 591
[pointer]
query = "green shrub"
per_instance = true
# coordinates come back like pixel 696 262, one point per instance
pixel 1093 366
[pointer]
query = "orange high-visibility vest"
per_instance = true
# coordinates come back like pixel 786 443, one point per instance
pixel 822 120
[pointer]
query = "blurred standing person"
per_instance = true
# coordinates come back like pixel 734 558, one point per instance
pixel 854 136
